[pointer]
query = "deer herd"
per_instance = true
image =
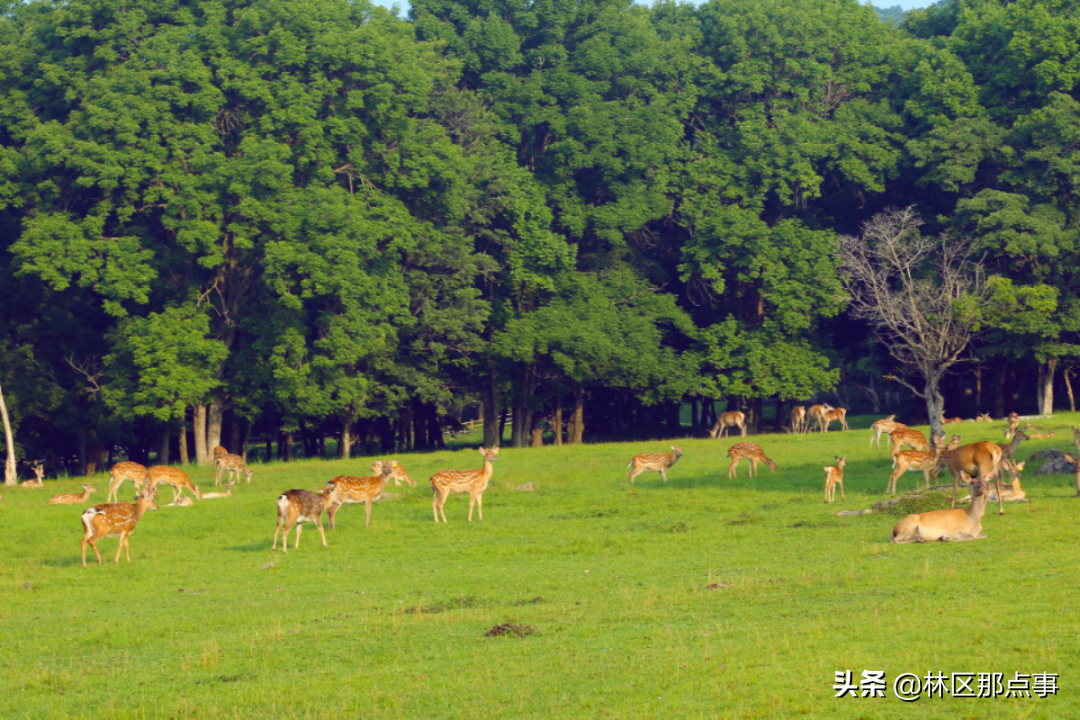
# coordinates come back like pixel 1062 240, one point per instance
pixel 976 464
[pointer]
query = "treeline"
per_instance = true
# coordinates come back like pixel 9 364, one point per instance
pixel 263 220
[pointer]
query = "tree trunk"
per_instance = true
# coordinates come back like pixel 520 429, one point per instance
pixel 346 440
pixel 234 433
pixel 502 425
pixel 490 410
pixel 999 390
pixel 674 418
pixel 269 449
pixel 435 428
pixel 163 448
pixel 978 390
pixel 1046 387
pixel 288 440
pixel 579 416
pixel 214 416
pixel 84 456
pixel 935 404
pixel 181 441
pixel 693 416
pixel 558 422
pixel 1068 389
pixel 199 429
pixel 11 477
pixel 247 438
pixel 778 421
pixel 537 431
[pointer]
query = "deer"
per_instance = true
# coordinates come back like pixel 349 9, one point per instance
pixel 834 475
pixel 296 507
pixel 726 420
pixel 985 417
pixel 798 419
pixel 219 451
pixel 474 482
pixel 654 462
pixel 1009 449
pixel 981 459
pixel 1037 435
pixel 111 519
pixel 834 415
pixel 906 436
pixel 126 470
pixel 884 427
pixel 360 489
pixel 73 498
pixel 39 472
pixel 950 421
pixel 912 460
pixel 1076 466
pixel 1014 422
pixel 213 495
pixel 946 525
pixel 232 463
pixel 817 414
pixel 182 501
pixel 751 451
pixel 175 477
pixel 398 474
pixel 1013 492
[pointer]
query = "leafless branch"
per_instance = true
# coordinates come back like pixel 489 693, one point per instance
pixel 89 369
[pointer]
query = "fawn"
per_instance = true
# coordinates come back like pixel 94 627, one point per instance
pixel 834 475
pixel 654 462
pixel 234 464
pixel 73 498
pixel 227 493
pixel 884 427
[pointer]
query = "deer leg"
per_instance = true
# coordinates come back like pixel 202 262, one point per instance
pixel 955 483
pixel 333 512
pixel 367 503
pixel 318 524
pixel 299 527
pixel 435 506
pixel 480 506
pixel 732 470
pixel 663 474
pixel 119 549
pixel 997 485
pixel 472 501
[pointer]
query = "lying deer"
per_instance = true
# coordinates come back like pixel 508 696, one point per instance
pixel 985 417
pixel 73 498
pixel 750 451
pixel 474 482
pixel 296 507
pixel 1012 492
pixel 654 462
pixel 944 525
pixel 111 519
pixel 1037 435
pixel 950 421
pixel 834 475
pixel 213 495
pixel 39 471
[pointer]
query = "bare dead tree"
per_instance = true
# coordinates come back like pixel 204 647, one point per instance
pixel 10 474
pixel 917 293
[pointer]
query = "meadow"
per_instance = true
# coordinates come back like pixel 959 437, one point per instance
pixel 702 597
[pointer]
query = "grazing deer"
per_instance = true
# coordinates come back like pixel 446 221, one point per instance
pixel 834 415
pixel 817 414
pixel 102 521
pixel 398 474
pixel 173 476
pixel 1009 449
pixel 980 459
pixel 654 462
pixel 985 417
pixel 360 489
pixel 946 525
pixel 912 460
pixel 127 470
pixel 884 427
pixel 798 419
pixel 474 482
pixel 906 436
pixel 751 451
pixel 232 463
pixel 1014 422
pixel 1076 466
pixel 1037 435
pixel 726 420
pixel 834 475
pixel 950 421
pixel 213 495
pixel 296 507
pixel 219 451
pixel 73 498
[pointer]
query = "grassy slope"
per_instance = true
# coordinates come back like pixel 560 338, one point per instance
pixel 390 622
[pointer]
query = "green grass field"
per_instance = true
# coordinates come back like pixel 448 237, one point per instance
pixel 703 597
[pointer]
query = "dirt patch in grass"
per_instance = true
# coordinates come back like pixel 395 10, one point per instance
pixel 533 601
pixel 460 603
pixel 586 514
pixel 511 629
pixel 717 586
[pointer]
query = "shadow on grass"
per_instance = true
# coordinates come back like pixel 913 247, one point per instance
pixel 69 561
pixel 250 547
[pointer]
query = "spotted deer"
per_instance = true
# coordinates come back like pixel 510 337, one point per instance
pixel 167 475
pixel 219 451
pixel 73 498
pixel 474 482
pixel 946 525
pixel 817 414
pixel 296 507
pixel 950 421
pixel 127 470
pixel 834 415
pixel 39 475
pixel 834 475
pixel 214 495
pixel 906 436
pixel 1076 466
pixel 112 519
pixel 1037 435
pixel 726 420
pixel 360 489
pixel 884 427
pixel 750 451
pixel 654 462
pixel 985 417
pixel 798 419
pixel 916 460
pixel 398 474
pixel 234 464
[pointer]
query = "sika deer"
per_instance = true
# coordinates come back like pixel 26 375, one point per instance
pixel 945 525
pixel 1037 435
pixel 173 476
pixel 817 414
pixel 213 495
pixel 296 507
pixel 360 489
pixel 122 471
pixel 911 460
pixel 834 475
pixel 884 427
pixel 234 464
pixel 906 436
pixel 950 421
pixel 474 482
pixel 798 419
pixel 654 462
pixel 1014 422
pixel 112 519
pixel 726 420
pixel 834 415
pixel 751 451
pixel 399 473
pixel 73 498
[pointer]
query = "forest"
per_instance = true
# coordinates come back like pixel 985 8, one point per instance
pixel 265 223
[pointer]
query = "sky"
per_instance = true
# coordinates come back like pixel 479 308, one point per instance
pixel 906 4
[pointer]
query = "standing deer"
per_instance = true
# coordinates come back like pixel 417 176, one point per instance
pixel 654 462
pixel 1014 422
pixel 945 525
pixel 213 495
pixel 296 507
pixel 1009 449
pixel 232 463
pixel 127 470
pixel 751 451
pixel 912 460
pixel 884 427
pixel 907 436
pixel 817 414
pixel 165 474
pixel 474 482
pixel 399 473
pixel 219 451
pixel 834 475
pixel 1076 466
pixel 980 459
pixel 834 415
pixel 73 498
pixel 111 519
pixel 798 419
pixel 729 419
pixel 360 489
pixel 1013 492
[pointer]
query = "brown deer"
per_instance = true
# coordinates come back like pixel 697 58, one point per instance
pixel 654 462
pixel 111 519
pixel 296 507
pixel 214 495
pixel 906 436
pixel 750 451
pixel 834 415
pixel 946 525
pixel 980 459
pixel 164 474
pixel 39 472
pixel 1037 435
pixel 817 414
pixel 474 482
pixel 127 470
pixel 726 420
pixel 1009 449
pixel 1076 466
pixel 398 474
pixel 182 501
pixel 234 464
pixel 219 451
pixel 73 498
pixel 1013 492
pixel 834 475
pixel 950 421
pixel 985 417
pixel 798 419
pixel 360 489
pixel 1014 422
pixel 913 460
pixel 884 427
